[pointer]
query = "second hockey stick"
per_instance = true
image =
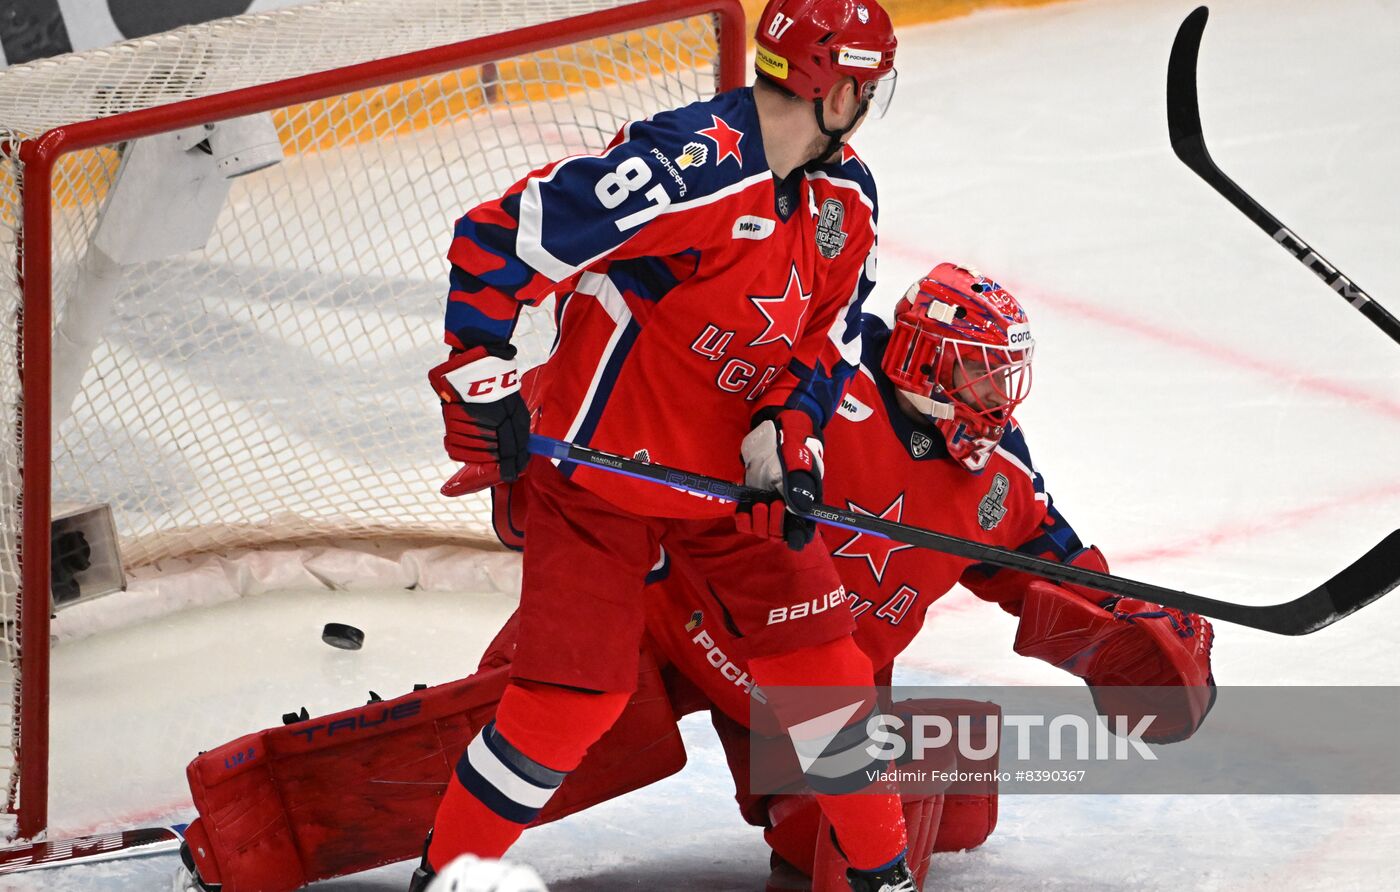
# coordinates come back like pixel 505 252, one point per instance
pixel 1184 125
pixel 1368 579
pixel 98 847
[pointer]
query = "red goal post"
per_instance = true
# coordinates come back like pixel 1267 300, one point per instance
pixel 516 92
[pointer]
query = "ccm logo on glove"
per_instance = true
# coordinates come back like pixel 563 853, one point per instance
pixel 482 381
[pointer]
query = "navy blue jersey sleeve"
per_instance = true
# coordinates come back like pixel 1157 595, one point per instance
pixel 557 221
pixel 830 350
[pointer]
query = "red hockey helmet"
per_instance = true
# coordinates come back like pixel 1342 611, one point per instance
pixel 961 352
pixel 807 46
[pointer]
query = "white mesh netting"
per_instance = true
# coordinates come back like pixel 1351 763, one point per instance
pixel 273 385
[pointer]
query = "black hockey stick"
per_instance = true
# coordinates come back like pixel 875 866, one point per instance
pixel 1366 580
pixel 98 847
pixel 1184 124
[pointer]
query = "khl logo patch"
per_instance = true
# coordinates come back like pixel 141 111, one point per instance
pixel 992 508
pixel 920 443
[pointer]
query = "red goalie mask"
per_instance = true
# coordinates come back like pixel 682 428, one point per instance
pixel 961 352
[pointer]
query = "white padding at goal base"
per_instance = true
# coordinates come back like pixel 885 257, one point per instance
pixel 167 586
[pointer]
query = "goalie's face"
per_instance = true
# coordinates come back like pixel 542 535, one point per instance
pixel 988 382
pixel 960 353
pixel 983 385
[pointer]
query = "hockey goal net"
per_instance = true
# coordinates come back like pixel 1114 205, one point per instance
pixel 266 383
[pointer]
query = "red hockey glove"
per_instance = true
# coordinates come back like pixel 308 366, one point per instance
pixel 1115 644
pixel 473 477
pixel 486 419
pixel 783 455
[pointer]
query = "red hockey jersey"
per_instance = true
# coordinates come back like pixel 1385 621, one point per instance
pixel 880 462
pixel 692 288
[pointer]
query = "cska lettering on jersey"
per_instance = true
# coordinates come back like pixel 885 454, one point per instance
pixel 686 280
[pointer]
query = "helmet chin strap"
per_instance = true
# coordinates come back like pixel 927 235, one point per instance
pixel 833 137
pixel 929 407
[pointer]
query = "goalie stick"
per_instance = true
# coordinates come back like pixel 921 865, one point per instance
pixel 1184 125
pixel 1367 579
pixel 85 849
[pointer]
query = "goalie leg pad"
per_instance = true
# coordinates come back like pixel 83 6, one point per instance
pixel 921 817
pixel 338 794
pixel 970 810
pixel 800 835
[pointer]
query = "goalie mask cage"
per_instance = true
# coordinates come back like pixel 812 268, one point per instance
pixel 270 385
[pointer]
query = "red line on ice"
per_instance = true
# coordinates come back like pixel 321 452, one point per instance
pixel 1283 519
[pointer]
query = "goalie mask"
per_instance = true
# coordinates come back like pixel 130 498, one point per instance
pixel 961 353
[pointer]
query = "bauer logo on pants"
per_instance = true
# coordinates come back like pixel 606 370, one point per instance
pixel 829 601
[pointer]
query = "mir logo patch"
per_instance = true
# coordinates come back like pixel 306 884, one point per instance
pixel 992 508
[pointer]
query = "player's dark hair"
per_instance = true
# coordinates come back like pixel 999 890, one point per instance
pixel 776 89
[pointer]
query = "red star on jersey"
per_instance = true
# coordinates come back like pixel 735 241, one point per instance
pixel 726 140
pixel 849 154
pixel 874 549
pixel 784 312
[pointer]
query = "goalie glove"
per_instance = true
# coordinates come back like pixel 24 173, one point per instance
pixel 486 419
pixel 782 455
pixel 1139 659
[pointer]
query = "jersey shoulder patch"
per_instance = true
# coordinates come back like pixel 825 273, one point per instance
pixel 703 148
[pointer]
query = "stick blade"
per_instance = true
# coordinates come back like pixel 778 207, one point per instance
pixel 84 849
pixel 1183 104
pixel 1372 577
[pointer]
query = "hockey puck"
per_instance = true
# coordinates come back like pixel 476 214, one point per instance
pixel 342 636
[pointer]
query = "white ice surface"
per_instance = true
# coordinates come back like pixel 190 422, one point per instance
pixel 1204 410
